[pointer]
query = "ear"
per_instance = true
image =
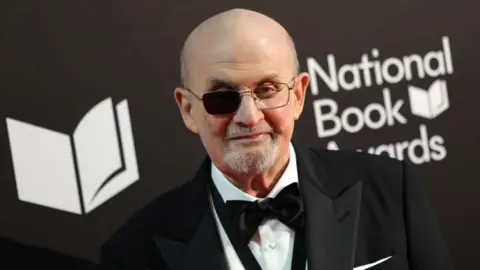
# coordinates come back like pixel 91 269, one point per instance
pixel 298 93
pixel 185 107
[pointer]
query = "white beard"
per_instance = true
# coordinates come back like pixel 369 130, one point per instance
pixel 252 161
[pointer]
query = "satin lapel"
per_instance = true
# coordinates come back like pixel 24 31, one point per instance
pixel 332 213
pixel 195 244
pixel 204 251
pixel 331 228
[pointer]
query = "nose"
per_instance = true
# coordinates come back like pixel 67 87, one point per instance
pixel 247 115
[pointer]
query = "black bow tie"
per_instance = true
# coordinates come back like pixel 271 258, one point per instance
pixel 287 207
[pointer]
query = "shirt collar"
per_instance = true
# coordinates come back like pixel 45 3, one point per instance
pixel 229 192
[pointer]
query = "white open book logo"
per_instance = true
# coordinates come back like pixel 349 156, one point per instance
pixel 75 173
pixel 429 103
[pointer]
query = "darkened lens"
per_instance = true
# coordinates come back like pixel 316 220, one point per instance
pixel 221 102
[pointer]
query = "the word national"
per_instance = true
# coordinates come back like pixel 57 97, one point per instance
pixel 371 70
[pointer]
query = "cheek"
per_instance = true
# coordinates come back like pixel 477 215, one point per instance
pixel 281 120
pixel 214 127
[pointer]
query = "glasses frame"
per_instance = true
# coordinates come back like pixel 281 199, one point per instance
pixel 251 92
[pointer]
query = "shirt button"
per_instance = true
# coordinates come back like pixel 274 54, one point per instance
pixel 272 245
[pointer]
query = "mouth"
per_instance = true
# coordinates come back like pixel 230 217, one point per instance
pixel 253 136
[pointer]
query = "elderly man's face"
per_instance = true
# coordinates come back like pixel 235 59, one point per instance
pixel 251 140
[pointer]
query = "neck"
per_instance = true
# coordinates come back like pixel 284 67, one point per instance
pixel 260 185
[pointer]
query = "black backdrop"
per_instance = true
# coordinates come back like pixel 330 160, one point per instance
pixel 58 59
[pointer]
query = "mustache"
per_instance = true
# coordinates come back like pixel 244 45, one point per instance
pixel 245 131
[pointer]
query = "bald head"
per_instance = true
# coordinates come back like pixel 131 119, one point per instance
pixel 234 36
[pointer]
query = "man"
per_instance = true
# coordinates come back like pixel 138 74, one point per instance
pixel 260 201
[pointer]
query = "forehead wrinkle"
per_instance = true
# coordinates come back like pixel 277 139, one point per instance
pixel 211 81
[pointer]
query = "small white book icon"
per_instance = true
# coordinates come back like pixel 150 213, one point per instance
pixel 80 172
pixel 429 103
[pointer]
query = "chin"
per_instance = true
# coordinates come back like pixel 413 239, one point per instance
pixel 252 160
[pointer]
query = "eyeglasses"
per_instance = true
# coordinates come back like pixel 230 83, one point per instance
pixel 267 96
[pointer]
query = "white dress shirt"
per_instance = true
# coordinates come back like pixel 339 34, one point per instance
pixel 272 245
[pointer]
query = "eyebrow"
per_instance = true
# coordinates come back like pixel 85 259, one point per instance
pixel 215 82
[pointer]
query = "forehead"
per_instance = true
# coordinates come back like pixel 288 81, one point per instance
pixel 243 62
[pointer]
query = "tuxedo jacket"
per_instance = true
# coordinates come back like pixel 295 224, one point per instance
pixel 16 255
pixel 360 209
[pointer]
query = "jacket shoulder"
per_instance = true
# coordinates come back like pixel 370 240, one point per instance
pixel 379 169
pixel 366 160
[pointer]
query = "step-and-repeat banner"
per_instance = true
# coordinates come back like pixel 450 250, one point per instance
pixel 90 132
